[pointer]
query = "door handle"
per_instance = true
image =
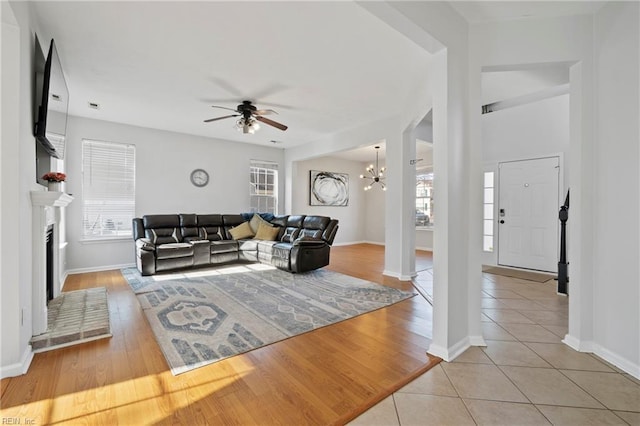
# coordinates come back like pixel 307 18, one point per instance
pixel 501 221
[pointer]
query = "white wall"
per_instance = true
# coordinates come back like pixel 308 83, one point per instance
pixel 457 172
pixel 603 255
pixel 164 161
pixel 534 130
pixel 375 211
pixel 617 185
pixel 18 179
pixel 351 217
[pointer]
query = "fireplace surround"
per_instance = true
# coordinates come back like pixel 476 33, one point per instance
pixel 47 216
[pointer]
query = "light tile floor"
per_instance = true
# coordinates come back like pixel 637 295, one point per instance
pixel 525 375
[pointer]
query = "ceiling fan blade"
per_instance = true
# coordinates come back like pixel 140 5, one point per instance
pixel 220 118
pixel 264 112
pixel 271 123
pixel 221 107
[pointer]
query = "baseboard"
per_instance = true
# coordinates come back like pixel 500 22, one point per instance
pixel 399 276
pixel 620 362
pixel 63 279
pixel 449 354
pixel 604 353
pixel 18 368
pixel 477 341
pixel 576 344
pixel 348 243
pixel 100 268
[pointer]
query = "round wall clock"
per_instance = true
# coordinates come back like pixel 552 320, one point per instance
pixel 199 177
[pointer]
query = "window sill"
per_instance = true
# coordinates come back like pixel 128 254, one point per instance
pixel 105 240
pixel 424 228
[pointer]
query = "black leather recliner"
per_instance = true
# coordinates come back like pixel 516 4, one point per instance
pixel 175 241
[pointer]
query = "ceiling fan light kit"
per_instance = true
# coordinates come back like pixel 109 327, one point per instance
pixel 249 117
pixel 247 126
pixel 376 175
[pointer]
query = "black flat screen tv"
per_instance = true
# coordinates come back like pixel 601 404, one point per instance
pixel 51 125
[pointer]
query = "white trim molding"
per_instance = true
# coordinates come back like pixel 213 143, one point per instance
pixel 18 368
pixel 399 276
pixel 100 268
pixel 604 353
pixel 451 353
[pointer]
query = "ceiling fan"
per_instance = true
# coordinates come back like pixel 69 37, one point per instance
pixel 249 116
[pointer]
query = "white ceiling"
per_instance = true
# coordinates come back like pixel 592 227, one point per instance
pixel 491 11
pixel 324 66
pixel 502 85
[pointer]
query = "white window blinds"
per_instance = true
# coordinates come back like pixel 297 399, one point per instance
pixel 263 187
pixel 108 189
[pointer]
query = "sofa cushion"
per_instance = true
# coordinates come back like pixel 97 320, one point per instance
pixel 188 226
pixel 290 234
pixel 224 246
pixel 161 221
pixel 280 255
pixel 248 245
pixel 316 222
pixel 267 232
pixel 231 221
pixel 210 227
pixel 310 233
pixel 162 228
pixel 173 250
pixel 255 222
pixel 266 247
pixel 280 220
pixel 162 235
pixel 241 231
pixel 265 216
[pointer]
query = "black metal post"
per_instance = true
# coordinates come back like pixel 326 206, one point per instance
pixel 563 277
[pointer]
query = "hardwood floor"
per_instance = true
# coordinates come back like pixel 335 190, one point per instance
pixel 327 376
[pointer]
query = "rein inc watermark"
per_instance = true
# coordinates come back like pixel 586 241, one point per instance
pixel 17 421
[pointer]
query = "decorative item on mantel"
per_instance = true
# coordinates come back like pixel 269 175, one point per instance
pixel 54 180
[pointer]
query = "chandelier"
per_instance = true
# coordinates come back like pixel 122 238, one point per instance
pixel 247 125
pixel 375 174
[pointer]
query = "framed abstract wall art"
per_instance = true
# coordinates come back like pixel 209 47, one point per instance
pixel 328 188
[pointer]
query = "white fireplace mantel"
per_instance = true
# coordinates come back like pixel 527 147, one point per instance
pixel 46 211
pixel 50 198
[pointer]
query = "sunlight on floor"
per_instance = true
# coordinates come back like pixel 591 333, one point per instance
pixel 234 269
pixel 141 400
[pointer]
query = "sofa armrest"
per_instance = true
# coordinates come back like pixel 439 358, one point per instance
pixel 145 244
pixel 145 256
pixel 309 242
pixel 201 251
pixel 308 255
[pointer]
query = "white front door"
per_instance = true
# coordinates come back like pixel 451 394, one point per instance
pixel 528 207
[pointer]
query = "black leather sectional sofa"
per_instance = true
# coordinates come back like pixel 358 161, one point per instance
pixel 174 241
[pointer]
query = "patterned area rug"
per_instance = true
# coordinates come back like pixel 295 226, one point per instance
pixel 203 316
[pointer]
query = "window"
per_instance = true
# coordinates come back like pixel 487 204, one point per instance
pixel 487 238
pixel 108 189
pixel 424 199
pixel 263 187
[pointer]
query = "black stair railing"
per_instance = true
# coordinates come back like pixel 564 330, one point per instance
pixel 563 277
